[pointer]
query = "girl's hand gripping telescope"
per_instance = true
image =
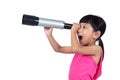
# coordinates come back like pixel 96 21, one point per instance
pixel 36 21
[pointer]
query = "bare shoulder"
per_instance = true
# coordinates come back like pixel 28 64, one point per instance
pixel 98 52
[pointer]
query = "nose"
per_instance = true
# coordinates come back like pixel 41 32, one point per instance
pixel 80 30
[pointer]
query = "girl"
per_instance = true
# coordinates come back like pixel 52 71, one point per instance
pixel 87 61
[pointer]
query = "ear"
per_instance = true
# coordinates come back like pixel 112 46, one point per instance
pixel 97 34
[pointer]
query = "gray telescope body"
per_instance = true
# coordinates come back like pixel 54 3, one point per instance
pixel 37 21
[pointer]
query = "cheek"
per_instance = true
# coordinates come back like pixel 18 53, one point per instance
pixel 88 33
pixel 89 36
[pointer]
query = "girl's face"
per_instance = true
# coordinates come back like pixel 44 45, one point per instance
pixel 86 34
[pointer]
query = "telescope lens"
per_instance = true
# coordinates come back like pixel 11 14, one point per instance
pixel 30 20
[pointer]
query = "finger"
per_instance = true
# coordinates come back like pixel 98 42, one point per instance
pixel 46 27
pixel 51 27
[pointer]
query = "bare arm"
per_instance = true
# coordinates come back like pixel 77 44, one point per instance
pixel 54 43
pixel 75 45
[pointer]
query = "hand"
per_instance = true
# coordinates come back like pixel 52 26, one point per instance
pixel 75 27
pixel 48 31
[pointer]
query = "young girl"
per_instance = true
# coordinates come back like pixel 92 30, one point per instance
pixel 87 61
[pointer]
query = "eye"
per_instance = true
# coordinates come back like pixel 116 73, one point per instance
pixel 84 27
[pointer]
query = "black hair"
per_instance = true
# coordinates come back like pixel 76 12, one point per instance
pixel 98 24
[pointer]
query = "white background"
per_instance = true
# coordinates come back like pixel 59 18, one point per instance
pixel 25 53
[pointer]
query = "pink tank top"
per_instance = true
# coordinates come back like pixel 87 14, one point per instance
pixel 84 68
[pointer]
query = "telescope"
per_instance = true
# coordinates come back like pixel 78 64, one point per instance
pixel 44 22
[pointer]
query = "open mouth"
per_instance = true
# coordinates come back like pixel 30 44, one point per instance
pixel 80 37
